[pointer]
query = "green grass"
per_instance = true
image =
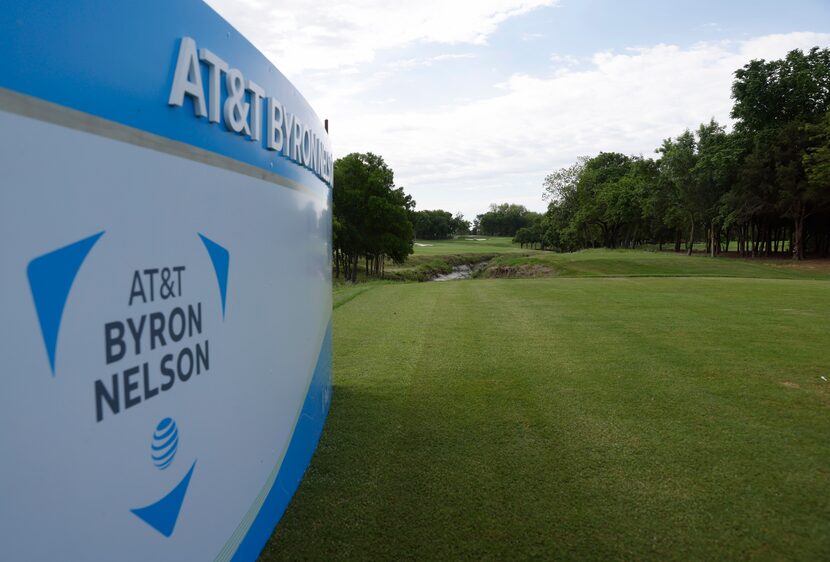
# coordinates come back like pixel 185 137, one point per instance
pixel 651 418
pixel 467 245
pixel 601 263
pixel 344 292
pixel 440 256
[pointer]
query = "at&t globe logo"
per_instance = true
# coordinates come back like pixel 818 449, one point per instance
pixel 165 443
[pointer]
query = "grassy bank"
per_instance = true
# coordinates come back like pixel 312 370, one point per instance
pixel 425 267
pixel 510 260
pixel 582 418
pixel 632 263
pixel 467 245
pixel 438 257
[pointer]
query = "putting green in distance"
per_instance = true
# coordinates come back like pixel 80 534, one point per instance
pixel 651 418
pixel 467 245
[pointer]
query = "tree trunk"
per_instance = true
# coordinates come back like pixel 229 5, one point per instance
pixel 713 245
pixel 742 235
pixel 753 230
pixel 798 235
pixel 710 249
pixel 677 240
pixel 691 243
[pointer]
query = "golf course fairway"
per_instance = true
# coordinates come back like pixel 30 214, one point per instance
pixel 580 418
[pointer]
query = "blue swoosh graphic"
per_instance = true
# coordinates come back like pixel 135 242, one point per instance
pixel 163 514
pixel 220 258
pixel 50 279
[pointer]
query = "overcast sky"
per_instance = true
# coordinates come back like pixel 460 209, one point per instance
pixel 473 102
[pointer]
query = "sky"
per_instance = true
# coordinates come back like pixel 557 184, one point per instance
pixel 473 102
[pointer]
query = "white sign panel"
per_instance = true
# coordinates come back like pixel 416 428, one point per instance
pixel 166 288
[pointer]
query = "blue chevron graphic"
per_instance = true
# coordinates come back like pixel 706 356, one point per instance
pixel 221 261
pixel 163 514
pixel 50 280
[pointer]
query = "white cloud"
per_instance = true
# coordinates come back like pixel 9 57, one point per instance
pixel 327 35
pixel 467 150
pixel 711 26
pixel 563 60
pixel 776 45
pixel 505 144
pixel 429 61
pixel 452 56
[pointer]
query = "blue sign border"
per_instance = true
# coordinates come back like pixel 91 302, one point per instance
pixel 122 71
pixel 303 443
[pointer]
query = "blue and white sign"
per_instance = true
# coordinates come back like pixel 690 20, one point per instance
pixel 165 241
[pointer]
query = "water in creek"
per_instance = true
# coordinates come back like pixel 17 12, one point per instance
pixel 463 271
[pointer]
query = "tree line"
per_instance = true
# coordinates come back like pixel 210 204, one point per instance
pixel 764 185
pixel 374 221
pixel 439 225
pixel 371 218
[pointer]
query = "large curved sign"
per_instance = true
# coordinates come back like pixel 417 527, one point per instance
pixel 165 340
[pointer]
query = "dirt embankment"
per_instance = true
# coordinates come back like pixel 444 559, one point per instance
pixel 516 271
pixel 428 268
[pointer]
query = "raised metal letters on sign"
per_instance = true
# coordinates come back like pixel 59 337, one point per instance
pixel 242 110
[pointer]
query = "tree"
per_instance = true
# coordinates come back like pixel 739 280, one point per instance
pixel 562 183
pixel 776 103
pixel 816 163
pixel 817 159
pixel 433 225
pixel 505 219
pixel 677 164
pixel 438 224
pixel 766 182
pixel 662 216
pixel 460 225
pixel 558 227
pixel 370 216
pixel 600 199
pixel 714 172
pixel 532 235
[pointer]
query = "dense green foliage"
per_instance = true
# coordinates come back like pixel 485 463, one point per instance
pixel 611 418
pixel 504 220
pixel 438 225
pixel 766 184
pixel 374 220
pixel 371 218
